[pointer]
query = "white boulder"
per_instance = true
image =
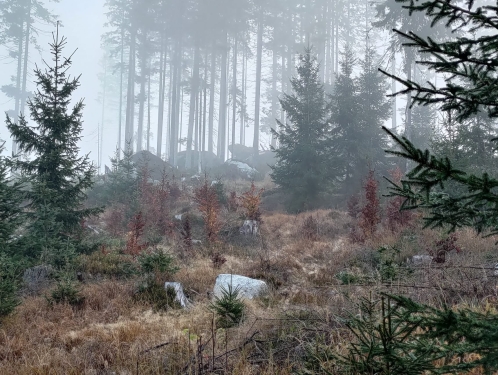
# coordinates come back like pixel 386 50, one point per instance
pixel 180 296
pixel 248 288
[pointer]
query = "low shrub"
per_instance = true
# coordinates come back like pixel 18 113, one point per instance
pixel 8 285
pixel 66 291
pixel 110 264
pixel 154 293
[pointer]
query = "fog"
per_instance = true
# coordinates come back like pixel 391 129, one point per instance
pixel 171 47
pixel 82 24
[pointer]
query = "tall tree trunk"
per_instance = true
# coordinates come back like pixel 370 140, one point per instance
pixel 121 74
pixel 222 124
pixel 204 115
pixel 174 107
pixel 162 82
pixel 18 85
pixel 101 130
pixel 329 41
pixel 274 92
pixel 408 127
pixel 336 45
pixel 142 96
pixel 332 46
pixel 259 57
pixel 234 90
pixel 196 132
pixel 211 101
pixel 25 57
pixel 243 100
pixel 148 108
pixel 283 84
pixel 393 90
pixel 130 97
pixel 170 102
pixel 194 88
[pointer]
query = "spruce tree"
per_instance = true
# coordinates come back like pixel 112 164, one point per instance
pixel 373 111
pixel 304 167
pixel 471 87
pixel 345 118
pixel 359 108
pixel 11 217
pixel 58 177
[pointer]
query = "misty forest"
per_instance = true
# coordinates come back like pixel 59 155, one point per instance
pixel 251 187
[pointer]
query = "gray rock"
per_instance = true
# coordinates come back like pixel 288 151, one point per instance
pixel 243 168
pixel 154 164
pixel 249 227
pixel 180 296
pixel 248 288
pixel 419 260
pixel 37 278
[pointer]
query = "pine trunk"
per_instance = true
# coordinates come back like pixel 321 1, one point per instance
pixel 142 97
pixel 25 57
pixel 130 97
pixel 234 91
pixel 162 84
pixel 211 102
pixel 259 57
pixel 222 124
pixel 173 134
pixel 121 74
pixel 18 85
pixel 274 92
pixel 193 98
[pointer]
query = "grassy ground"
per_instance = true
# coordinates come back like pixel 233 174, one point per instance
pixel 317 276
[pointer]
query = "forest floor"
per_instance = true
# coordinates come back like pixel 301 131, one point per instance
pixel 317 277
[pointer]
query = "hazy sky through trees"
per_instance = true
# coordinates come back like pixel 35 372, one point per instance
pixel 83 26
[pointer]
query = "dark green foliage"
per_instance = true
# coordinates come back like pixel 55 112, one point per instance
pixel 157 266
pixel 305 166
pixel 8 285
pixel 359 108
pixel 157 261
pixel 476 207
pixel 469 62
pixel 385 342
pixel 154 293
pixel 11 217
pixel 389 267
pixel 111 264
pixel 423 126
pixel 228 308
pixel 120 185
pixel 395 335
pixel 219 188
pixel 58 176
pixel 66 291
pixel 467 143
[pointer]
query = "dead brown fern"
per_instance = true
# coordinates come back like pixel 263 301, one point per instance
pixel 207 201
pixel 133 244
pixel 251 201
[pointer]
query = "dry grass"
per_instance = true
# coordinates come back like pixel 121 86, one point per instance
pixel 107 334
